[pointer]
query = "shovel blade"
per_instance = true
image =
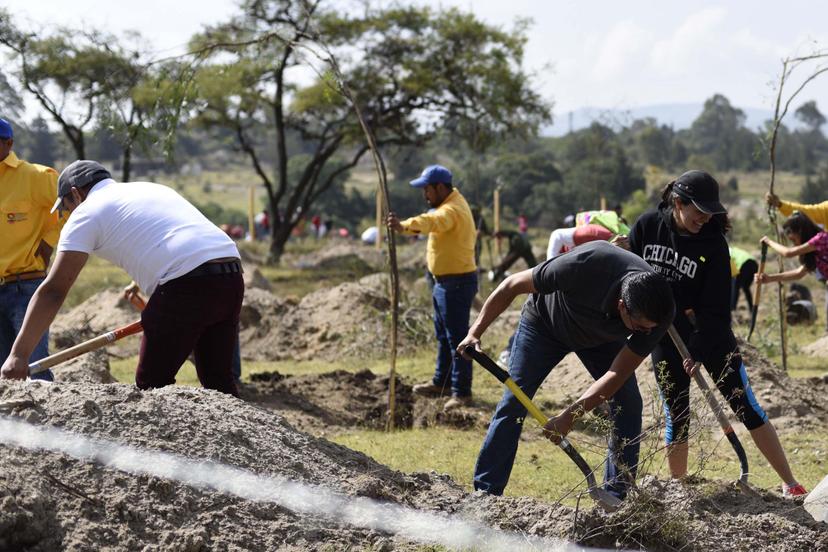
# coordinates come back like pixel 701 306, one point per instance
pixel 605 499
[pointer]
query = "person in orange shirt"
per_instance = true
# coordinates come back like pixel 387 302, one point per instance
pixel 28 236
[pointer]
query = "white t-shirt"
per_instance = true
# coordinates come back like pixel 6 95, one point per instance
pixel 558 239
pixel 147 229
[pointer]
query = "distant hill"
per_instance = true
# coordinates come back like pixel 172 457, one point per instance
pixel 678 116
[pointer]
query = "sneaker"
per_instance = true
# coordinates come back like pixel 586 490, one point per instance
pixel 457 402
pixel 427 390
pixel 793 491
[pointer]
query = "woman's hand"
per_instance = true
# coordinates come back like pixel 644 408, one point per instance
pixel 690 366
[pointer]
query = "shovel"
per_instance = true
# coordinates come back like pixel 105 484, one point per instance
pixel 714 405
pixel 95 343
pixel 601 496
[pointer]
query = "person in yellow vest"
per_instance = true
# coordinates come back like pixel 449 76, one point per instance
pixel 742 269
pixel 450 257
pixel 29 234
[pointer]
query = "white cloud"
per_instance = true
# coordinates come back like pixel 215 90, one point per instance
pixel 692 44
pixel 622 49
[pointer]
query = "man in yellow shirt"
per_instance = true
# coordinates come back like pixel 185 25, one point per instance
pixel 29 233
pixel 450 257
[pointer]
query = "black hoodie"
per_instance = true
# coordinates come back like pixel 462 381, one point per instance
pixel 698 267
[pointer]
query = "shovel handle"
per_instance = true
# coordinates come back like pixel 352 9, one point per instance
pixel 757 293
pixel 714 405
pixel 95 343
pixel 503 377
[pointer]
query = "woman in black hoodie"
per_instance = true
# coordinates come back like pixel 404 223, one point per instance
pixel 684 240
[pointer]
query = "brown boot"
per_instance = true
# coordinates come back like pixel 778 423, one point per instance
pixel 428 390
pixel 456 402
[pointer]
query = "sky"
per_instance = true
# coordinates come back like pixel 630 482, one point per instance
pixel 605 54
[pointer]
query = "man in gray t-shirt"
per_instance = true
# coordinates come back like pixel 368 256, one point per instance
pixel 606 305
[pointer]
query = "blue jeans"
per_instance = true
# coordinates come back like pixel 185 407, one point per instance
pixel 14 299
pixel 534 354
pixel 452 299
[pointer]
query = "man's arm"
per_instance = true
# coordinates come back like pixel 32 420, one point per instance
pixel 497 302
pixel 43 308
pixel 622 368
pixel 817 212
pixel 441 219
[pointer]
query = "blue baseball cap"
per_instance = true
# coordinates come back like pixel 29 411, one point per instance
pixel 433 174
pixel 5 130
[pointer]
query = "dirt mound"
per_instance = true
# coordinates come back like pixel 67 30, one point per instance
pixel 99 314
pixel 332 401
pixel 253 277
pixel 818 348
pixel 792 402
pixel 350 319
pixel 350 256
pixel 55 501
pixel 359 258
pixel 92 367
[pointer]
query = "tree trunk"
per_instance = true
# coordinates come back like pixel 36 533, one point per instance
pixel 279 235
pixel 126 168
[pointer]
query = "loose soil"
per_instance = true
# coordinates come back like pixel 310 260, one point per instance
pixel 331 402
pixel 349 320
pixel 818 348
pixel 51 501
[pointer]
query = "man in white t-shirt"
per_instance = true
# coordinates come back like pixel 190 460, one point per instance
pixel 189 267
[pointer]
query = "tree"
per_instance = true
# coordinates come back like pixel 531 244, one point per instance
pixel 719 133
pixel 812 144
pixel 595 165
pixel 815 190
pixel 11 104
pixel 412 71
pixel 810 115
pixel 42 145
pixel 64 71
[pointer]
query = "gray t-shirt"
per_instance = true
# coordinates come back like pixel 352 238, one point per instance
pixel 577 298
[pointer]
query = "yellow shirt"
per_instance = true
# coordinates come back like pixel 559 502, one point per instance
pixel 817 212
pixel 27 193
pixel 451 236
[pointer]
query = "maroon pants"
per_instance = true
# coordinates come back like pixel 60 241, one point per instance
pixel 198 314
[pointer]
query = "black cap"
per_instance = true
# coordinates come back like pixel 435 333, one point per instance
pixel 702 189
pixel 79 174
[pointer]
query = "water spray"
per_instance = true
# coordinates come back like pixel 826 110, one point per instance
pixel 415 525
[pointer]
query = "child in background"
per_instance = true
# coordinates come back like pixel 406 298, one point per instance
pixel 810 245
